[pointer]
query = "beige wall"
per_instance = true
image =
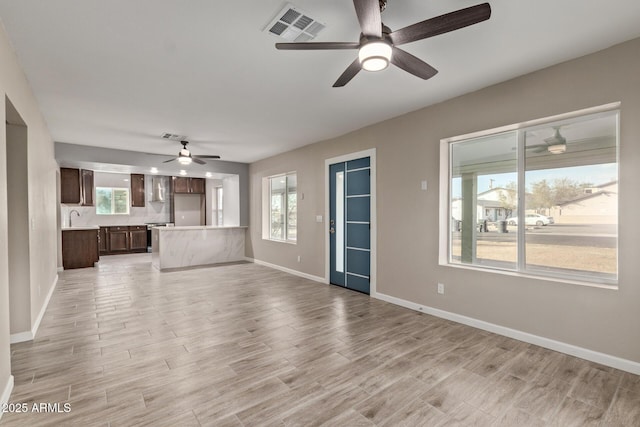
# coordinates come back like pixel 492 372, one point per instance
pixel 408 152
pixel 41 199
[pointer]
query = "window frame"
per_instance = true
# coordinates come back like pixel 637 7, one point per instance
pixel 444 240
pixel 112 212
pixel 267 212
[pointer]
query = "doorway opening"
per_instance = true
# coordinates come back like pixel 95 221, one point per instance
pixel 18 225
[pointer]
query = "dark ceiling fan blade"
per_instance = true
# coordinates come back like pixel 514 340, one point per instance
pixel 170 160
pixel 348 74
pixel 209 157
pixel 368 12
pixel 442 24
pixel 198 161
pixel 317 46
pixel 411 64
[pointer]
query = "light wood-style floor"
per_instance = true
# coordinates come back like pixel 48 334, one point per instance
pixel 245 345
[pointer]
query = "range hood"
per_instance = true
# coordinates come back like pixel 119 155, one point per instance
pixel 159 185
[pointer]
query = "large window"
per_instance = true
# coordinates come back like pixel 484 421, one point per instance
pixel 112 201
pixel 539 198
pixel 282 209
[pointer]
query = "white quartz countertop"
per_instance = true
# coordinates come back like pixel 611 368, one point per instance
pixel 198 227
pixel 81 227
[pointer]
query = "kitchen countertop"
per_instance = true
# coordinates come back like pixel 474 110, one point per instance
pixel 81 227
pixel 197 227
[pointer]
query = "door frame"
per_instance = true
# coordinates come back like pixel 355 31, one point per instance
pixel 371 153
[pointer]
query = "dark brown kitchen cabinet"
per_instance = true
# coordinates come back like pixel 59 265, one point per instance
pixel 123 239
pixel 118 238
pixel 76 186
pixel 79 248
pixel 197 185
pixel 182 185
pixel 102 241
pixel 137 190
pixel 69 185
pixel 138 238
pixel 86 187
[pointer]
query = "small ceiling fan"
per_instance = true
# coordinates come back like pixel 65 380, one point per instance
pixel 378 44
pixel 185 157
pixel 556 144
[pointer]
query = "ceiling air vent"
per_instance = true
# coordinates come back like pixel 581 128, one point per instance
pixel 173 137
pixel 294 25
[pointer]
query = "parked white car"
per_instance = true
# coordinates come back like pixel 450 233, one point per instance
pixel 532 219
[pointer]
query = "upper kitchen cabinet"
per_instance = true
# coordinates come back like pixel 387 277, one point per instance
pixel 76 186
pixel 137 190
pixel 197 185
pixel 185 185
pixel 69 185
pixel 180 184
pixel 86 187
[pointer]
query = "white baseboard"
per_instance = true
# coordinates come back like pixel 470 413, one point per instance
pixel 30 335
pixel 6 394
pixel 21 337
pixel 583 353
pixel 60 269
pixel 36 325
pixel 288 270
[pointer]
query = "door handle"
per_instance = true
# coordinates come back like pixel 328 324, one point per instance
pixel 332 222
pixel 332 230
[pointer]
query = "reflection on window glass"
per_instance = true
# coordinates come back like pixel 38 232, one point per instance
pixel 283 212
pixel 557 215
pixel 572 197
pixel 112 201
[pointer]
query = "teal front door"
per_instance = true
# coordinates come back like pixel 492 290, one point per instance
pixel 350 224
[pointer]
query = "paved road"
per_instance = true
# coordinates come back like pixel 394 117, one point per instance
pixel 600 236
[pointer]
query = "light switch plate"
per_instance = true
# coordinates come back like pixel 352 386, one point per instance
pixel 318 218
pixel 423 185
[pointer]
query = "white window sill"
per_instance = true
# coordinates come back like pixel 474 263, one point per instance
pixel 289 242
pixel 612 287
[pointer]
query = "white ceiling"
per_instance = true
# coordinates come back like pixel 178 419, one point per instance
pixel 119 73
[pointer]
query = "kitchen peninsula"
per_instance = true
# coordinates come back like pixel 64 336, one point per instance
pixel 190 246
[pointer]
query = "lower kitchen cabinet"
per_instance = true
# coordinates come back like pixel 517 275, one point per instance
pixel 123 239
pixel 103 244
pixel 138 238
pixel 118 238
pixel 79 248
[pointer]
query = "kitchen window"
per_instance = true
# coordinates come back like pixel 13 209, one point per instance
pixel 112 201
pixel 537 198
pixel 280 209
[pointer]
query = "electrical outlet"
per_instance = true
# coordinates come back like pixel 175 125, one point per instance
pixel 441 288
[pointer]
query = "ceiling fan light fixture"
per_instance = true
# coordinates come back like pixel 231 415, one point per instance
pixel 375 56
pixel 184 160
pixel 557 148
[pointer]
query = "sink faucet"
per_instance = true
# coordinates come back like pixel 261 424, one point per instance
pixel 72 211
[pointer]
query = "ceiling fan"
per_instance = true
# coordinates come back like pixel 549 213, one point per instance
pixel 556 144
pixel 378 44
pixel 185 158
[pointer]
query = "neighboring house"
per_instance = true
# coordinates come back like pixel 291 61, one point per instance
pixel 598 205
pixel 490 206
